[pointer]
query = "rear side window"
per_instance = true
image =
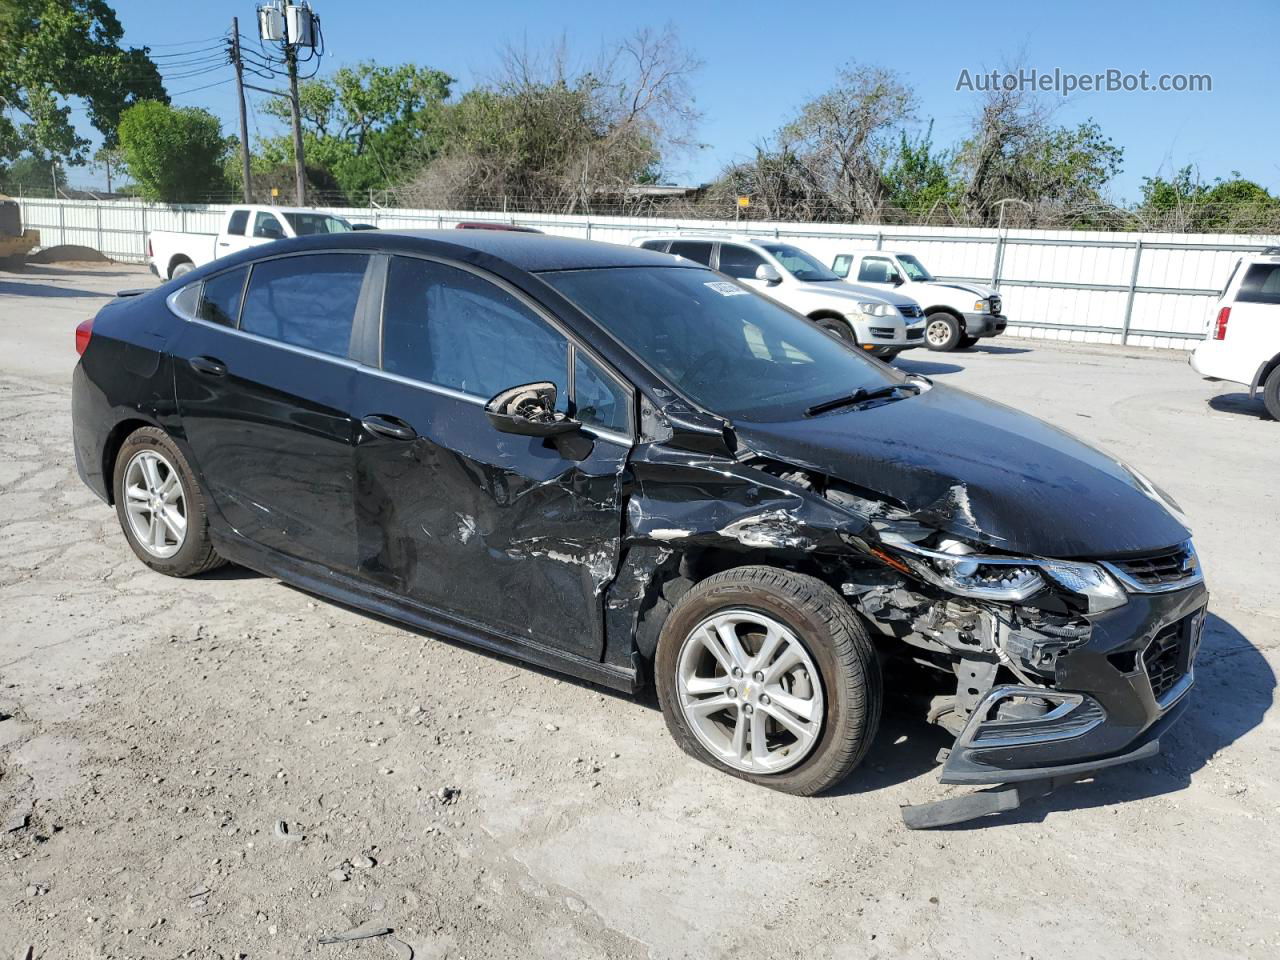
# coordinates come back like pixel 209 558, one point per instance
pixel 659 245
pixel 739 262
pixel 840 266
pixel 695 250
pixel 220 297
pixel 1261 284
pixel 451 328
pixel 307 301
pixel 239 220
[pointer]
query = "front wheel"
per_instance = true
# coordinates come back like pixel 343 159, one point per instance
pixel 768 675
pixel 161 506
pixel 837 328
pixel 942 332
pixel 1271 394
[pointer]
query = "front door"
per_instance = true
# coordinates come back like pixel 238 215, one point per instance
pixel 265 393
pixel 877 272
pixel 517 534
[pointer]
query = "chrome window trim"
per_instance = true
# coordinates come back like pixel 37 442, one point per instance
pixel 292 348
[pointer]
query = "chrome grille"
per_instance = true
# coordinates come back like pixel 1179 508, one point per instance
pixel 996 305
pixel 1161 571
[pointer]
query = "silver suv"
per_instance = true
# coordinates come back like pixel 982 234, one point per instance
pixel 882 322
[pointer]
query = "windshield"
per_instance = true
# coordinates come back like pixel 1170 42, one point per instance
pixel 307 224
pixel 914 268
pixel 730 351
pixel 799 264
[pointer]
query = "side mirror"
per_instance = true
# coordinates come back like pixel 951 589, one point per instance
pixel 529 410
pixel 897 280
pixel 768 274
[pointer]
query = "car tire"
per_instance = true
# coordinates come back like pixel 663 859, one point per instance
pixel 753 603
pixel 186 266
pixel 155 487
pixel 966 342
pixel 1271 393
pixel 942 332
pixel 839 329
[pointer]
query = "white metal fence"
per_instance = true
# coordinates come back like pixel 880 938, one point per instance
pixel 1143 289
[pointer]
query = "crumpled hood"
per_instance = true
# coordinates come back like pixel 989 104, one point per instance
pixel 980 470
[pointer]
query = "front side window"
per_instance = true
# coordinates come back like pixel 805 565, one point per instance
pixel 267 227
pixel 699 251
pixel 220 297
pixel 307 301
pixel 914 268
pixel 239 220
pixel 739 262
pixel 309 224
pixel 449 327
pixel 1261 284
pixel 728 350
pixel 876 270
pixel 800 264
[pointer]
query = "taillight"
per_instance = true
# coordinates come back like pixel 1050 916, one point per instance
pixel 83 333
pixel 149 253
pixel 1220 327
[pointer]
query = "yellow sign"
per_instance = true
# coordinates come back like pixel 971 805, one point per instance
pixel 744 201
pixel 275 191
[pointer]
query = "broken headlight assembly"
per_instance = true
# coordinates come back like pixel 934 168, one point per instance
pixel 957 567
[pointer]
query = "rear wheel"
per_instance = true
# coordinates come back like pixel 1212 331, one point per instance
pixel 942 331
pixel 161 506
pixel 768 675
pixel 1271 394
pixel 184 266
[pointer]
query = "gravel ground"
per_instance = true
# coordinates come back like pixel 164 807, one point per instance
pixel 154 733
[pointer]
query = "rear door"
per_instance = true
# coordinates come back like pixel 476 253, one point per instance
pixel 265 389
pixel 698 251
pixel 517 534
pixel 741 262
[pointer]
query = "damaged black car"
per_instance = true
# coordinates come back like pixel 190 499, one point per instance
pixel 628 467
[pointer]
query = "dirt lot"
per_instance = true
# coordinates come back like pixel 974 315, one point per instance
pixel 154 731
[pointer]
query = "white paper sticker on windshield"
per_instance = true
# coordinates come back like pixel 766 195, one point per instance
pixel 726 289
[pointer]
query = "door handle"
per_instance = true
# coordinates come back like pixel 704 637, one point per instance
pixel 224 243
pixel 208 366
pixel 391 427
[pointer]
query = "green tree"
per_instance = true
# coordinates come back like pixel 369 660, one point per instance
pixel 368 125
pixel 31 176
pixel 917 176
pixel 53 50
pixel 175 154
pixel 1186 203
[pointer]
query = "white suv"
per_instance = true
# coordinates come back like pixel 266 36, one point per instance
pixel 959 313
pixel 1242 340
pixel 882 322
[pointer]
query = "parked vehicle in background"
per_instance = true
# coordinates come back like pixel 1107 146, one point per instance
pixel 882 322
pixel 959 314
pixel 15 243
pixel 623 465
pixel 493 225
pixel 172 253
pixel 1242 338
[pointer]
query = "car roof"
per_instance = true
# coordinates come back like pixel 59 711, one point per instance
pixel 535 252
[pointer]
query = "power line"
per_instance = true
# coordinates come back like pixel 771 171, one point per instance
pixel 216 83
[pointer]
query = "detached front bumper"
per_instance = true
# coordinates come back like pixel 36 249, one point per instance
pixel 985 324
pixel 1112 700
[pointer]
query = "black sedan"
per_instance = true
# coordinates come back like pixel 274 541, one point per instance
pixel 625 466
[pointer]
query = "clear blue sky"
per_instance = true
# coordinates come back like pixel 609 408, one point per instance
pixel 762 60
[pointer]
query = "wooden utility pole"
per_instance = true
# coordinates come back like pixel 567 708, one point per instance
pixel 299 171
pixel 244 124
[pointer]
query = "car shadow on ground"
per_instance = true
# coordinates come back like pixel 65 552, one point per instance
pixel 981 347
pixel 12 288
pixel 1241 404
pixel 1235 687
pixel 926 368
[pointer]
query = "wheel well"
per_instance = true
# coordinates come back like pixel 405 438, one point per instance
pixel 827 315
pixel 110 450
pixel 1268 369
pixel 934 311
pixel 175 260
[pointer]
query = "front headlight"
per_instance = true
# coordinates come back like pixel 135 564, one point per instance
pixel 981 306
pixel 875 309
pixel 958 568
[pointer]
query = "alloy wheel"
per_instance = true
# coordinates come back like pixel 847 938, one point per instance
pixel 750 691
pixel 155 504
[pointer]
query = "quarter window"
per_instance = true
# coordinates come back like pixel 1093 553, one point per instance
pixel 220 298
pixel 239 220
pixel 840 266
pixel 1261 284
pixel 307 301
pixel 598 399
pixel 449 327
pixel 739 262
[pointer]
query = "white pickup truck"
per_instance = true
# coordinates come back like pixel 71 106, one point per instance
pixel 173 254
pixel 959 313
